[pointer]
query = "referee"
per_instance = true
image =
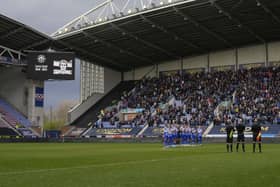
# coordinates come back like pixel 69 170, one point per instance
pixel 257 136
pixel 240 135
pixel 229 130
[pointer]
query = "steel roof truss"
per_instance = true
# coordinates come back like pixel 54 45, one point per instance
pixel 106 43
pixel 267 10
pixel 238 22
pixel 11 33
pixel 175 36
pixel 204 28
pixel 145 42
pixel 109 61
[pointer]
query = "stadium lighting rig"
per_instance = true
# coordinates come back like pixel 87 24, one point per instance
pixel 111 10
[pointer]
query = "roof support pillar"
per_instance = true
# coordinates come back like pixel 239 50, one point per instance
pixel 266 54
pixel 236 59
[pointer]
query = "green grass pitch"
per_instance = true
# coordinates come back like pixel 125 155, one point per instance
pixel 86 165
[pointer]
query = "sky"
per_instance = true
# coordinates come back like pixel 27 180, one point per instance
pixel 47 16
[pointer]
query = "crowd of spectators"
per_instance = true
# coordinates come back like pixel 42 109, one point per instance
pixel 257 96
pixel 192 99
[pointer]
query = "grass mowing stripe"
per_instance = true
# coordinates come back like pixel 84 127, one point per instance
pixel 88 166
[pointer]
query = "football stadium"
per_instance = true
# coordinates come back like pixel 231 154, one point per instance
pixel 171 93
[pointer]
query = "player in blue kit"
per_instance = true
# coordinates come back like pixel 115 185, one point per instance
pixel 183 134
pixel 169 136
pixel 194 135
pixel 199 134
pixel 165 136
pixel 172 135
pixel 188 134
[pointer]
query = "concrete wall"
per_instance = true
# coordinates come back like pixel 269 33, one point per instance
pixel 168 66
pixel 129 76
pixel 35 114
pixel 223 58
pixel 274 51
pixel 17 90
pixel 137 74
pixel 251 54
pixel 196 62
pixel 149 71
pixel 245 55
pixel 111 79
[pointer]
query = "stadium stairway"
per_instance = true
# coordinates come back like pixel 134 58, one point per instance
pixel 114 95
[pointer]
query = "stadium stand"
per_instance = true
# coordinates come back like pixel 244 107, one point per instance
pixel 115 94
pixel 175 99
pixel 12 116
pixel 171 32
pixel 5 130
pixel 16 120
pixel 195 99
pixel 2 124
pixel 257 96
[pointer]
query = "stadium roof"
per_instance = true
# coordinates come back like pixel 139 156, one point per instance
pixel 18 36
pixel 165 30
pixel 125 34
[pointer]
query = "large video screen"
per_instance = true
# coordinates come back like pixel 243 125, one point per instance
pixel 51 66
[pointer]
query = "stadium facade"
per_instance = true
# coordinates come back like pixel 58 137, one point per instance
pixel 128 40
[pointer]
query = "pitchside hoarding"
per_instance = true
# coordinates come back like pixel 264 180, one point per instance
pixel 268 131
pixel 51 66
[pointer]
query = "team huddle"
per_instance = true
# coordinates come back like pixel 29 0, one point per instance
pixel 185 134
pixel 240 128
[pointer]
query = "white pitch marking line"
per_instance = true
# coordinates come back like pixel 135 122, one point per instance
pixel 86 167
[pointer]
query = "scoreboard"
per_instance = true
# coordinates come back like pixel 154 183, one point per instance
pixel 51 65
